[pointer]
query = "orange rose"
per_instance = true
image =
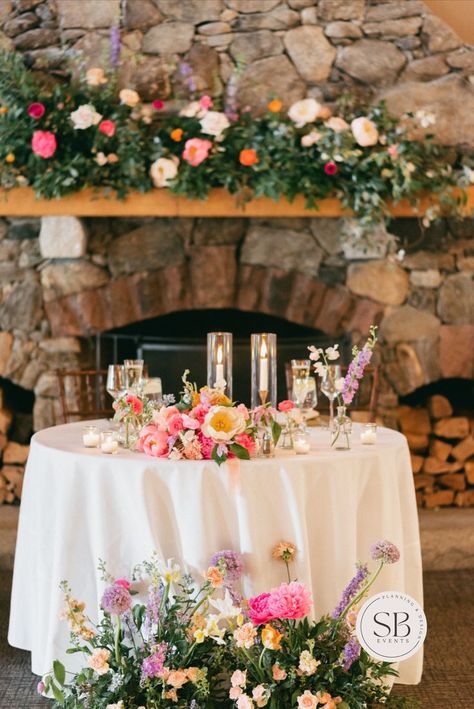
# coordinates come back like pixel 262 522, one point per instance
pixel 275 106
pixel 176 134
pixel 271 638
pixel 248 157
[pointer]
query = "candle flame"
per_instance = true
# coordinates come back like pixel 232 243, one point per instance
pixel 263 349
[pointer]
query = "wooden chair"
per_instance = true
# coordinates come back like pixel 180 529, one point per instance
pixel 82 394
pixel 364 404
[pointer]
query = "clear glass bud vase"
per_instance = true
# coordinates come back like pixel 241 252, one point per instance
pixel 341 430
pixel 129 434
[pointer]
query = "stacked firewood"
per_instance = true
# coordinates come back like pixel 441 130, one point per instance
pixel 442 453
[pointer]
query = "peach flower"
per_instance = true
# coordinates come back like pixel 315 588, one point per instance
pixel 275 106
pixel 278 673
pixel 310 138
pixel 304 111
pixel 99 661
pixel 177 678
pixel 307 700
pixel 245 636
pixel 244 702
pixel 214 123
pixel 196 151
pixel 129 97
pixel 364 131
pixel 239 678
pixel 215 577
pixel 172 694
pixel 95 76
pixel 235 692
pixel 336 124
pixel 271 638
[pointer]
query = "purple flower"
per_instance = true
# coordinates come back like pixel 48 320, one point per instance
pixel 351 653
pixel 355 371
pixel 115 45
pixel 116 600
pixel 231 561
pixel 152 613
pixel 351 590
pixel 152 666
pixel 385 551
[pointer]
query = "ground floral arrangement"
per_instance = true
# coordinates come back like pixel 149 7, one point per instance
pixel 62 137
pixel 198 644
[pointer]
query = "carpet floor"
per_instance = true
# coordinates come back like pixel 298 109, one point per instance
pixel 448 678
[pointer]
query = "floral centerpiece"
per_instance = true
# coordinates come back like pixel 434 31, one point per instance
pixel 345 387
pixel 205 424
pixel 60 138
pixel 196 645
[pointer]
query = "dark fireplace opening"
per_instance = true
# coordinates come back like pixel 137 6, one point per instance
pixel 171 343
pixel 19 403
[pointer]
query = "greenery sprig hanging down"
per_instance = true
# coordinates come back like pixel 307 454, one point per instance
pixel 60 138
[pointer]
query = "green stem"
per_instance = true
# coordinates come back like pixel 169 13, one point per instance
pixel 118 657
pixel 287 570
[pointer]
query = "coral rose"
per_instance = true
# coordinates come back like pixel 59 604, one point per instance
pixel 248 157
pixel 364 131
pixel 135 403
pixel 222 423
pixel 238 678
pixel 247 442
pixel 107 128
pixel 259 609
pixel 290 601
pixel 43 143
pixel 163 170
pixel 36 110
pixel 196 151
pixel 286 405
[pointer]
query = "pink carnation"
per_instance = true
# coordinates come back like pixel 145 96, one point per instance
pixel 259 609
pixel 107 128
pixel 43 143
pixel 36 110
pixel 207 445
pixel 286 405
pixel 135 403
pixel 243 439
pixel 196 151
pixel 175 424
pixel 290 600
pixel 153 442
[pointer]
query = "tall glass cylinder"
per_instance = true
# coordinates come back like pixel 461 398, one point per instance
pixel 264 369
pixel 219 361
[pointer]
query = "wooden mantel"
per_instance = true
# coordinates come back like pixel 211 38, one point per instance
pixel 163 203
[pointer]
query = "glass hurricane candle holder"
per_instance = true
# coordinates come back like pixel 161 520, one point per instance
pixel 219 361
pixel 91 437
pixel 264 369
pixel 301 444
pixel 108 442
pixel 368 434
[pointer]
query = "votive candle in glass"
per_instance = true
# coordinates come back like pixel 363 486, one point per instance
pixel 219 361
pixel 91 437
pixel 368 434
pixel 108 442
pixel 301 445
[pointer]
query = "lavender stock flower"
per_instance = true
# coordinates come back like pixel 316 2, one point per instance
pixel 152 666
pixel 385 551
pixel 351 653
pixel 351 590
pixel 115 46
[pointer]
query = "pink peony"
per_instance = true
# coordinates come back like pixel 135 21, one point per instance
pixel 243 439
pixel 122 582
pixel 259 610
pixel 36 110
pixel 153 441
pixel 290 600
pixel 175 424
pixel 135 403
pixel 286 405
pixel 107 128
pixel 43 143
pixel 207 445
pixel 196 151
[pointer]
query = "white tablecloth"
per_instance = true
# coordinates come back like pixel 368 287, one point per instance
pixel 80 505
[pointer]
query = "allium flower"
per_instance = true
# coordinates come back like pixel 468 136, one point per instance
pixel 36 110
pixel 351 653
pixel 116 600
pixel 44 143
pixel 231 561
pixel 152 666
pixel 351 590
pixel 385 551
pixel 290 601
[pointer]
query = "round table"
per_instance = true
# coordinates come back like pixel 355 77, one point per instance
pixel 80 505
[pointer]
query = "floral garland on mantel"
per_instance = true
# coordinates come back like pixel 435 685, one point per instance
pixel 60 138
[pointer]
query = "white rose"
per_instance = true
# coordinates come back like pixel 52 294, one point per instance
pixel 163 170
pixel 95 76
pixel 336 124
pixel 214 123
pixel 129 97
pixel 364 131
pixel 191 110
pixel 222 423
pixel 85 117
pixel 310 139
pixel 304 111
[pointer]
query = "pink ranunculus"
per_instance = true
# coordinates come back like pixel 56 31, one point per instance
pixel 107 128
pixel 196 151
pixel 259 610
pixel 207 445
pixel 175 424
pixel 153 442
pixel 135 403
pixel 286 405
pixel 123 582
pixel 290 600
pixel 206 102
pixel 243 439
pixel 44 143
pixel 36 110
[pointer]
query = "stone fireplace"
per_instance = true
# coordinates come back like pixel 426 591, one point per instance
pixel 64 280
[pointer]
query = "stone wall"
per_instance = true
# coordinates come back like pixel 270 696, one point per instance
pixel 249 50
